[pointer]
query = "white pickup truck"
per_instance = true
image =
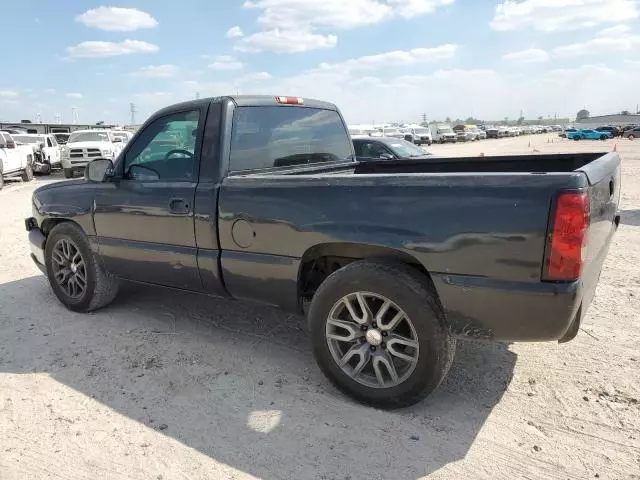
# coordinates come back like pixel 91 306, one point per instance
pixel 15 160
pixel 46 150
pixel 86 145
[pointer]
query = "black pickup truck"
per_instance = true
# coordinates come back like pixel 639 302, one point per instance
pixel 260 198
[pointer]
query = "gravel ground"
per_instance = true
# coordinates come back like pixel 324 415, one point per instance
pixel 167 385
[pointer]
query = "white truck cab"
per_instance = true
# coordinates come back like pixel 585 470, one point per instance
pixel 418 134
pixel 86 145
pixel 46 150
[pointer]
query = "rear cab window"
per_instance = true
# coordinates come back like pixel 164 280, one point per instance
pixel 264 137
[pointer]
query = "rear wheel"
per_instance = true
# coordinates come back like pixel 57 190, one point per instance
pixel 68 173
pixel 379 333
pixel 631 137
pixel 75 276
pixel 603 137
pixel 576 138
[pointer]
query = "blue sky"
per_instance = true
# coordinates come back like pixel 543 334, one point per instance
pixel 379 60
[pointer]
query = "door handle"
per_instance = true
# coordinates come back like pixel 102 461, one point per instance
pixel 178 205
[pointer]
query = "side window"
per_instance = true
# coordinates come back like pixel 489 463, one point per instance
pixel 49 144
pixel 357 146
pixel 264 137
pixel 53 141
pixel 165 150
pixel 376 150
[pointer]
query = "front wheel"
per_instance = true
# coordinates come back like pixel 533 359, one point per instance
pixel 68 173
pixel 631 137
pixel 379 333
pixel 603 137
pixel 27 174
pixel 75 275
pixel 576 138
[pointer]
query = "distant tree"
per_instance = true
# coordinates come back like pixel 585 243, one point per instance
pixel 625 112
pixel 448 119
pixel 506 120
pixel 582 114
pixel 540 118
pixel 520 120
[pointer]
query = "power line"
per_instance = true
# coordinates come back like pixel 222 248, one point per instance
pixel 133 113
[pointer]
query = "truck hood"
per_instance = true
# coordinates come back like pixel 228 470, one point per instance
pixel 100 145
pixel 67 184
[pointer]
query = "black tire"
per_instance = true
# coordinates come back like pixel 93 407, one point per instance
pixel 68 173
pixel 101 287
pixel 27 174
pixel 412 292
pixel 576 138
pixel 631 137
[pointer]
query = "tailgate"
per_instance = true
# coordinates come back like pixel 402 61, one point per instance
pixel 604 197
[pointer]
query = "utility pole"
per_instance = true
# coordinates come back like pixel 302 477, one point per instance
pixel 74 115
pixel 197 95
pixel 38 118
pixel 58 118
pixel 424 118
pixel 133 113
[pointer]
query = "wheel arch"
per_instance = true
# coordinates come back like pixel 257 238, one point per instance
pixel 320 261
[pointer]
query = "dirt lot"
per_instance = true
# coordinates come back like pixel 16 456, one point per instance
pixel 165 385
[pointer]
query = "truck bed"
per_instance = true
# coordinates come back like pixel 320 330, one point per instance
pixel 478 225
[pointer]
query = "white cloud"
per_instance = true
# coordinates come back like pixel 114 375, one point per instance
pixel 255 77
pixel 8 94
pixel 532 55
pixel 235 32
pixel 612 31
pixel 394 59
pixel 607 41
pixel 286 41
pixel 73 95
pixel 163 71
pixel 49 90
pixel 116 19
pixel 557 15
pixel 291 26
pixel 100 49
pixel 226 62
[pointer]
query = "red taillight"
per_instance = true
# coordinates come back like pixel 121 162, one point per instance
pixel 568 237
pixel 290 100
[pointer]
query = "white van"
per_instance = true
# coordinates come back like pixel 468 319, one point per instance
pixel 418 134
pixel 444 134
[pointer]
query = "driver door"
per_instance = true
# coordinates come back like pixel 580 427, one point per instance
pixel 144 218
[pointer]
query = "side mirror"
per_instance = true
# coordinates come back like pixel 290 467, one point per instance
pixel 11 144
pixel 387 156
pixel 41 144
pixel 117 140
pixel 98 170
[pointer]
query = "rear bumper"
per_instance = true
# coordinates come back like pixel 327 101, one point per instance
pixel 36 243
pixel 510 311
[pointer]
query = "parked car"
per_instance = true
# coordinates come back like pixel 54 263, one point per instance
pixel 632 133
pixel 470 132
pixel 588 135
pixel 444 134
pixel 16 160
pixel 390 260
pixel 388 132
pixel 566 132
pixel 418 134
pixel 46 151
pixel 86 145
pixel 614 131
pixel 386 148
pixel 493 132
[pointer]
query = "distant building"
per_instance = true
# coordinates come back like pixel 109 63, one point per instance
pixel 41 128
pixel 615 119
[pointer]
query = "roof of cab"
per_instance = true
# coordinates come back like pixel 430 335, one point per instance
pixel 244 101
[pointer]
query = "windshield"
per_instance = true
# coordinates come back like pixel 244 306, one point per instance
pixel 402 148
pixel 88 137
pixel 445 130
pixel 27 139
pixel 421 131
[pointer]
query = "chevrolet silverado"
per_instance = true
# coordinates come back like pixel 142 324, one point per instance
pixel 261 198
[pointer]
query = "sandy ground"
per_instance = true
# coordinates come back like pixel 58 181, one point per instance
pixel 166 385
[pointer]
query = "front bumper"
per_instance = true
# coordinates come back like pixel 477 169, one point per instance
pixel 36 243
